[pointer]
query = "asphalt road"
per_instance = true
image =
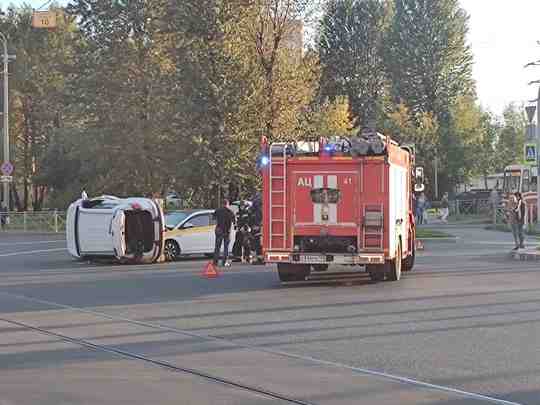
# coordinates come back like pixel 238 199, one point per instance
pixel 462 328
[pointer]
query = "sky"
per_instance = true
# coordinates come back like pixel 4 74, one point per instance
pixel 503 37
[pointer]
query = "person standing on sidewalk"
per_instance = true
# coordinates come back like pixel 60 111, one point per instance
pixel 518 212
pixel 420 206
pixel 445 208
pixel 3 217
pixel 224 221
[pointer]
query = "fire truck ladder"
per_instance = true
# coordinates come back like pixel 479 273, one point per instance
pixel 278 205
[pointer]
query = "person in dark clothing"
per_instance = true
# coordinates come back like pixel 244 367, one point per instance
pixel 519 221
pixel 224 220
pixel 241 249
pixel 3 217
pixel 255 224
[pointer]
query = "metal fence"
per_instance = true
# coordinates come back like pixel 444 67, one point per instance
pixel 484 208
pixel 471 207
pixel 40 221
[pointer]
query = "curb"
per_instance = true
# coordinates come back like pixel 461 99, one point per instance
pixel 527 255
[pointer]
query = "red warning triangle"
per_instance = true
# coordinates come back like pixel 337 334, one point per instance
pixel 210 271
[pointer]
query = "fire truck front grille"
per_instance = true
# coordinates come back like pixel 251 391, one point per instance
pixel 325 244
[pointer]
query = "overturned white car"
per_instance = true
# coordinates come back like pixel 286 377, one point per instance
pixel 130 229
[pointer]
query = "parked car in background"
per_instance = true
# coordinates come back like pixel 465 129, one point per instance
pixel 191 232
pixel 127 229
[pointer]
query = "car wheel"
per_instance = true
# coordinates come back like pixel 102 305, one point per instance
pixel 172 250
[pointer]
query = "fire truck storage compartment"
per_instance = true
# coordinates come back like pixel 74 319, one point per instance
pixel 139 230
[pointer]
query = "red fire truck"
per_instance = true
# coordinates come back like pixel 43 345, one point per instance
pixel 347 203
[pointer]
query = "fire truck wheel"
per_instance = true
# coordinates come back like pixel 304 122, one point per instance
pixel 394 266
pixel 376 272
pixel 408 263
pixel 292 272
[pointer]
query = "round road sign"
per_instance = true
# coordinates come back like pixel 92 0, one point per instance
pixel 7 169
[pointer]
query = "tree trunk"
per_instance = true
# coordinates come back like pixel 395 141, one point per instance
pixel 15 196
pixel 270 102
pixel 25 194
pixel 26 149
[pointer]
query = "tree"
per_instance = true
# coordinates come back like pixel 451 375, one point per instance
pixel 420 130
pixel 278 37
pixel 511 137
pixel 484 152
pixel 428 58
pixel 430 66
pixel 328 119
pixel 121 96
pixel 351 44
pixel 469 138
pixel 36 94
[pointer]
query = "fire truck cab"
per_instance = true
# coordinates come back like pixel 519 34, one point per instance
pixel 348 203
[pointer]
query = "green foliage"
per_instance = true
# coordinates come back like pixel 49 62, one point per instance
pixel 430 67
pixel 37 90
pixel 427 57
pixel 351 52
pixel 142 96
pixel 511 137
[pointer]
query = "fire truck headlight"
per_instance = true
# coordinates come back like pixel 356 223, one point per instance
pixel 296 248
pixel 351 249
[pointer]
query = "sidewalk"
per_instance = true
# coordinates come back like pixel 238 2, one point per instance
pixel 475 237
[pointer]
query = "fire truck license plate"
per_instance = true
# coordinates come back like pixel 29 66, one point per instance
pixel 312 259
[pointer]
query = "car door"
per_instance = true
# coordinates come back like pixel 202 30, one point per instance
pixel 195 235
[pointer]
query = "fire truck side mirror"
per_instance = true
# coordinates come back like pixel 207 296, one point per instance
pixel 419 179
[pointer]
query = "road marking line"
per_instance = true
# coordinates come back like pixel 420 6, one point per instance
pixel 32 243
pixel 31 252
pixel 365 371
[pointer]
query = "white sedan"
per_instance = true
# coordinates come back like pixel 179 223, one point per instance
pixel 191 232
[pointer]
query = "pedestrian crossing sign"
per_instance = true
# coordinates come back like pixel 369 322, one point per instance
pixel 530 153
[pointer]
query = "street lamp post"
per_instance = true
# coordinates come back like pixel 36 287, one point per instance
pixel 537 160
pixel 6 115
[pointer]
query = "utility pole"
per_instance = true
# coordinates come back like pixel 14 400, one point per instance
pixel 537 159
pixel 5 131
pixel 436 177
